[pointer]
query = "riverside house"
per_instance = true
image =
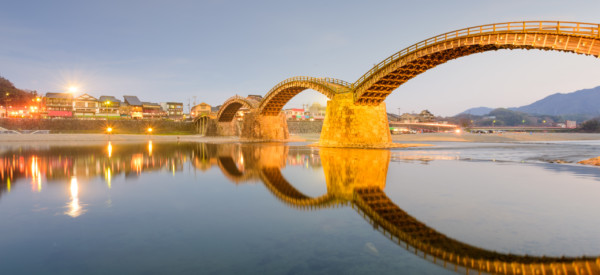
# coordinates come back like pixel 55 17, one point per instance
pixel 202 109
pixel 85 106
pixel 174 109
pixel 134 108
pixel 109 107
pixel 152 110
pixel 58 105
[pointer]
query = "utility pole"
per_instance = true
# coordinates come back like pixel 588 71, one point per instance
pixel 189 108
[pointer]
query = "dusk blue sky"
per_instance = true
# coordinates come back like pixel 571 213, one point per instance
pixel 175 50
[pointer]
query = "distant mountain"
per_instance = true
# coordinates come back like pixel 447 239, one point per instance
pixel 583 102
pixel 580 102
pixel 478 111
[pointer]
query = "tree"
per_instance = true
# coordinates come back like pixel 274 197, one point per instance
pixel 10 95
pixel 592 125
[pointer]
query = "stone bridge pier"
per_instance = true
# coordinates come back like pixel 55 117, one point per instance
pixel 350 125
pixel 263 127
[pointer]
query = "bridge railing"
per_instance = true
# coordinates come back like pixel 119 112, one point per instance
pixel 323 80
pixel 558 27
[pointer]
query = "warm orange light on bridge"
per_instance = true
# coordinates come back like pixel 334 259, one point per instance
pixel 149 130
pixel 109 130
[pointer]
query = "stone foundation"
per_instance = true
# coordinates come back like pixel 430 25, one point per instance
pixel 227 128
pixel 259 127
pixel 350 125
pixel 348 169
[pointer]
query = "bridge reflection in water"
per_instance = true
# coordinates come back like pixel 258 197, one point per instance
pixel 355 178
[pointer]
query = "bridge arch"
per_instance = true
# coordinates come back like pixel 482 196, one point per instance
pixel 375 85
pixel 279 95
pixel 232 105
pixel 285 192
pixel 393 222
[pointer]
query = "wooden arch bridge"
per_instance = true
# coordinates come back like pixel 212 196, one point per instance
pixel 356 114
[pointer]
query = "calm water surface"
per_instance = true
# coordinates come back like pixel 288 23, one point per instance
pixel 194 208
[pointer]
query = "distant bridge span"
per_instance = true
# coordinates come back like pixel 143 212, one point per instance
pixel 279 95
pixel 356 112
pixel 232 105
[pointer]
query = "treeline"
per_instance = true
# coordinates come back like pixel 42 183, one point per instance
pixel 590 126
pixel 506 117
pixel 12 96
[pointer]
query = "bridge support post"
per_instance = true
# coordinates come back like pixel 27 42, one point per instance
pixel 226 128
pixel 260 127
pixel 350 125
pixel 347 169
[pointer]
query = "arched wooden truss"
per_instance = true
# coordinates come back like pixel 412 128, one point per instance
pixel 279 95
pixel 374 86
pixel 232 105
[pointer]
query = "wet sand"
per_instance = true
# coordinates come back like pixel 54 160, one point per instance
pixel 503 137
pixel 468 137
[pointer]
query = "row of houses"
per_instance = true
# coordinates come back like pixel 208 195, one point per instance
pixel 64 105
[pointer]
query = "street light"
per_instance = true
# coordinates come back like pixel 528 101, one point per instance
pixel 109 130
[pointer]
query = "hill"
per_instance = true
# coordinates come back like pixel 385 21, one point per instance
pixel 477 111
pixel 586 102
pixel 582 103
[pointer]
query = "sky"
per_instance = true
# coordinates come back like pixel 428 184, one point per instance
pixel 208 51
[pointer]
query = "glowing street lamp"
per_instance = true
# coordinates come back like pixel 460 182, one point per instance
pixel 109 130
pixel 149 130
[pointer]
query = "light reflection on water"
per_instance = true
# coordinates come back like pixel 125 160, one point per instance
pixel 143 196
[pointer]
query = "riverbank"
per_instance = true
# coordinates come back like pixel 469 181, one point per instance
pixel 502 137
pixel 85 139
pixel 464 137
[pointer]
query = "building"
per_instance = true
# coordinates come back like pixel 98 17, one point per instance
pixel 200 110
pixel 408 118
pixel 258 98
pixel 85 106
pixel 152 110
pixel 174 110
pixel 133 107
pixel 58 105
pixel 423 117
pixel 214 111
pixel 317 111
pixel 108 107
pixel 571 124
pixel 294 114
pixel 426 116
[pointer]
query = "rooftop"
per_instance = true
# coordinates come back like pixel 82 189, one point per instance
pixel 108 98
pixel 132 100
pixel 60 95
